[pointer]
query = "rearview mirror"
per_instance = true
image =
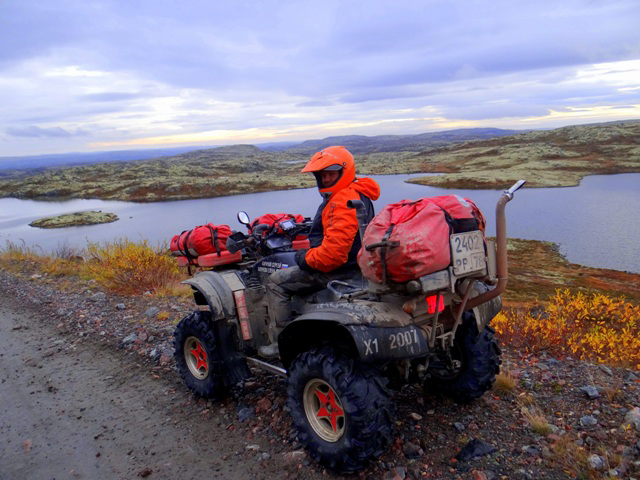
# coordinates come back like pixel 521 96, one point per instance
pixel 243 218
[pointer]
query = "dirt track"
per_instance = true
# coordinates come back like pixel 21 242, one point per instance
pixel 88 413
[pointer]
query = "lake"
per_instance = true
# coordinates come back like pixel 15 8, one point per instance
pixel 594 224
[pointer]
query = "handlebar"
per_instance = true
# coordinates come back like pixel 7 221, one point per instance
pixel 261 228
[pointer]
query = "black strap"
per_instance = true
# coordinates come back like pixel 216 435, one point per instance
pixel 383 252
pixel 214 239
pixel 185 246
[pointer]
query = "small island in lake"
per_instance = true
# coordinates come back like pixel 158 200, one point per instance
pixel 75 219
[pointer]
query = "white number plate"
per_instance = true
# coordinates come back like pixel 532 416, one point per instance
pixel 467 250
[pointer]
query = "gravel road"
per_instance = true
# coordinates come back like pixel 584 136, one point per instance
pixel 88 413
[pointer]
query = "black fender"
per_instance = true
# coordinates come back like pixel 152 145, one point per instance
pixel 371 344
pixel 212 290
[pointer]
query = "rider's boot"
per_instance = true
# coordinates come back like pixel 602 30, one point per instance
pixel 271 350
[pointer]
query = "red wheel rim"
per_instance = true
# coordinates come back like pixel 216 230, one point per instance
pixel 324 410
pixel 196 358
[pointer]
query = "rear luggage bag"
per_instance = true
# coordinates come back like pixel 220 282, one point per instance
pixel 409 239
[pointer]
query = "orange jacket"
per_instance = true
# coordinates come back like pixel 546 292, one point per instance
pixel 340 226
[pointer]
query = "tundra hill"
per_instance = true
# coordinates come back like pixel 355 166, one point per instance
pixel 197 174
pixel 552 158
pixel 217 171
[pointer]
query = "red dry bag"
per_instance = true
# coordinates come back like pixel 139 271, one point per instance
pixel 201 240
pixel 407 240
pixel 273 220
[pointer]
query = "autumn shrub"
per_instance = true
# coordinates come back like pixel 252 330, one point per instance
pixel 14 257
pixel 595 327
pixel 132 268
pixel 13 251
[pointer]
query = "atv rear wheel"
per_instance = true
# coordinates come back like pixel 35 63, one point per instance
pixel 196 355
pixel 477 360
pixel 340 407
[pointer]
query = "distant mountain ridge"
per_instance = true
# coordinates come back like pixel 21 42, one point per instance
pixel 78 158
pixel 357 144
pixel 361 144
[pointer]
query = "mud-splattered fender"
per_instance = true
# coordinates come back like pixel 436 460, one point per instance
pixel 376 332
pixel 377 344
pixel 213 289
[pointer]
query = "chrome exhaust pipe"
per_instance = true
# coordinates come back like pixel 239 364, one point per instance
pixel 501 250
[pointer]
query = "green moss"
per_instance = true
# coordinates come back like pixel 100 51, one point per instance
pixel 75 219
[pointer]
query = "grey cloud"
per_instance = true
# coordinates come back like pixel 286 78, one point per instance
pixel 111 96
pixel 328 48
pixel 494 111
pixel 34 131
pixel 369 95
pixel 315 103
pixel 231 64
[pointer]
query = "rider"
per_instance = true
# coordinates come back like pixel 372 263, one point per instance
pixel 333 237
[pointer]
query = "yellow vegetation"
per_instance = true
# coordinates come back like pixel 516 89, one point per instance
pixel 122 266
pixel 128 267
pixel 594 327
pixel 505 384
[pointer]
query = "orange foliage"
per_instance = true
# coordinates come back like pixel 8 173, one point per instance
pixel 132 268
pixel 593 327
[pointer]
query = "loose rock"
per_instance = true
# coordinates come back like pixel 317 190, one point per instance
pixel 632 419
pixel 596 462
pixel 129 339
pixel 99 297
pixel 590 391
pixel 588 421
pixel 475 448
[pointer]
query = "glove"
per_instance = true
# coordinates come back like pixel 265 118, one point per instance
pixel 301 261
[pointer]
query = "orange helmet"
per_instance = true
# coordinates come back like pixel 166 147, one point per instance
pixel 332 158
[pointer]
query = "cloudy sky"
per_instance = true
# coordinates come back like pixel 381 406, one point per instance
pixel 94 75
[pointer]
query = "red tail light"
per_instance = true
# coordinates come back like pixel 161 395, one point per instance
pixel 434 300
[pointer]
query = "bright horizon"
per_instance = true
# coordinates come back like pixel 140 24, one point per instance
pixel 115 75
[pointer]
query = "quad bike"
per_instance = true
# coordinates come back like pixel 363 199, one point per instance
pixel 352 343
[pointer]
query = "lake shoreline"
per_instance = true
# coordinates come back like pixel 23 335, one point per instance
pixel 565 216
pixel 430 180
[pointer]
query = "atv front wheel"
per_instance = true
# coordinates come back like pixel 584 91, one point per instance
pixel 197 357
pixel 340 407
pixel 476 358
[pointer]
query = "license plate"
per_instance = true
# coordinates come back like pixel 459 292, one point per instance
pixel 468 254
